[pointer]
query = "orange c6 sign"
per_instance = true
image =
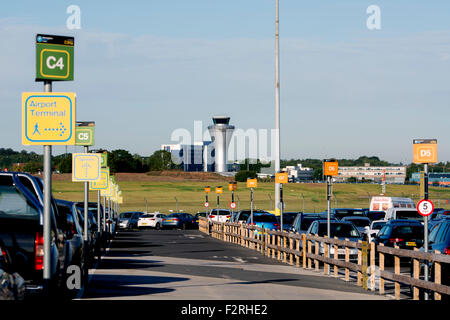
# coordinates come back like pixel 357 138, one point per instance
pixel 281 177
pixel 252 183
pixel 219 190
pixel 330 168
pixel 425 151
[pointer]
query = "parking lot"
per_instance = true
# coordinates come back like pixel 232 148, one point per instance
pixel 177 264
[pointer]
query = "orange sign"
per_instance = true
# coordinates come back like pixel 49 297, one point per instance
pixel 281 177
pixel 219 190
pixel 425 151
pixel 232 186
pixel 330 168
pixel 207 189
pixel 252 183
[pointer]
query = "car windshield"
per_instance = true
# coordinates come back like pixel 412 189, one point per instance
pixel 340 230
pixel 306 222
pixel 376 215
pixel 265 218
pixel 13 204
pixel 409 215
pixel 289 218
pixel 348 212
pixel 201 214
pixel 220 212
pixel 127 215
pixel 360 222
pixel 409 232
pixel 378 225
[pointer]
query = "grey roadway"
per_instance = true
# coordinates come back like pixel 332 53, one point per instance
pixel 189 265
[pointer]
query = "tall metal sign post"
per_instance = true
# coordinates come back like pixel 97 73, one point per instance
pixel 281 178
pixel 277 102
pixel 49 119
pixel 232 186
pixel 219 191
pixel 251 183
pixel 330 169
pixel 207 190
pixel 425 151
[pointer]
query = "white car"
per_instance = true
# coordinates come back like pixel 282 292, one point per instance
pixel 375 227
pixel 219 215
pixel 151 220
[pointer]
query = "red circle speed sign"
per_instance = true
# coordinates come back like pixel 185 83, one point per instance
pixel 233 205
pixel 206 204
pixel 425 207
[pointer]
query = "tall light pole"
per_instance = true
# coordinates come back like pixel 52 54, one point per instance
pixel 277 103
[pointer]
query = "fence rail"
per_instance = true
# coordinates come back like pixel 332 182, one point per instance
pixel 310 251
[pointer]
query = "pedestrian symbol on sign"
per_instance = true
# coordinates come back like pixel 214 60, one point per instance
pixel 36 129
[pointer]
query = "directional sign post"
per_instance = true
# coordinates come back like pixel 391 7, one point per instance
pixel 86 167
pixel 425 151
pixel 207 190
pixel 54 58
pixel 232 186
pixel 251 183
pixel 281 178
pixel 330 168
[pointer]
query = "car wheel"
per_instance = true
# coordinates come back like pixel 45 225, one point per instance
pixel 158 226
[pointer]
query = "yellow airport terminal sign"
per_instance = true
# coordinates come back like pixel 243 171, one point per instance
pixel 48 118
pixel 103 182
pixel 425 151
pixel 86 167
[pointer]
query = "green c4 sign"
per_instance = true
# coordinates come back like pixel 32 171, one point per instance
pixel 54 58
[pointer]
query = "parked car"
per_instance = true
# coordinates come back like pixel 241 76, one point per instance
pixel 74 231
pixel 302 221
pixel 219 215
pixel 151 220
pixel 94 241
pixel 179 220
pixel 339 213
pixel 376 215
pixel 21 231
pixel 374 228
pixel 406 234
pixel 198 215
pixel 264 220
pixel 403 213
pixel 288 219
pixel 340 229
pixel 243 215
pixel 361 223
pixel 129 220
pixel 439 239
pixel 12 285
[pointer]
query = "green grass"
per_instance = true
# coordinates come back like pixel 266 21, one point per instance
pixel 191 196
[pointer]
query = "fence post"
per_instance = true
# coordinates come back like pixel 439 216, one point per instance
pixel 359 274
pixel 297 248
pixel 397 271
pixel 316 252
pixel 291 247
pixel 336 257
pixel 304 250
pixel 381 262
pixel 274 243
pixel 309 251
pixel 372 266
pixel 437 276
pixel 347 259
pixel 326 266
pixel 416 275
pixel 284 247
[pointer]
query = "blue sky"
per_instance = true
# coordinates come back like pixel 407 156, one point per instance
pixel 146 68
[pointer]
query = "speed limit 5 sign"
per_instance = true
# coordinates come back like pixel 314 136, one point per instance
pixel 425 207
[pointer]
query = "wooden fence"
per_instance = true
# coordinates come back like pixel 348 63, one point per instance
pixel 312 251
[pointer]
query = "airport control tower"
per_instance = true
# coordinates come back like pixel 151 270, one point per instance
pixel 221 133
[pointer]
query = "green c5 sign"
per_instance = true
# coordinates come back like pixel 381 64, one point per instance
pixel 54 58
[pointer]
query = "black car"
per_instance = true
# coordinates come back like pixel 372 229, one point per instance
pixel 288 219
pixel 406 234
pixel 74 231
pixel 375 215
pixel 303 220
pixel 179 220
pixel 94 240
pixel 21 231
pixel 242 216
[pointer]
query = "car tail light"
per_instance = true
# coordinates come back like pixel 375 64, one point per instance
pixel 39 251
pixel 277 225
pixel 394 240
pixel 175 219
pixel 212 216
pixel 228 217
pixel 152 218
pixel 447 251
